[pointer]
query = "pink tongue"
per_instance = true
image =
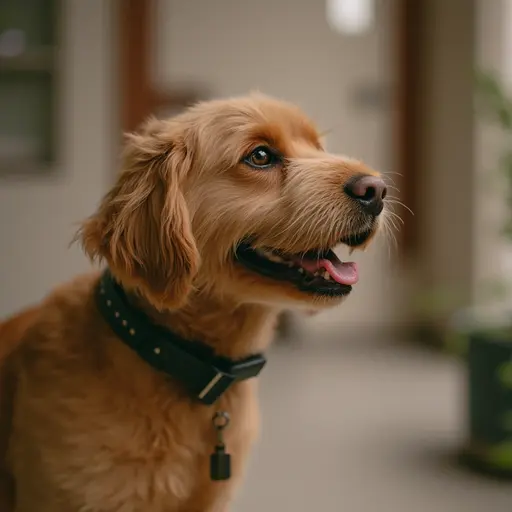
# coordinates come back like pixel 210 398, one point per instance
pixel 341 272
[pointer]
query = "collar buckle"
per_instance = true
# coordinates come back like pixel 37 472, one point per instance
pixel 221 381
pixel 216 387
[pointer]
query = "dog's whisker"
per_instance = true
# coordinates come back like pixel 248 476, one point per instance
pixel 399 203
pixel 390 237
pixel 395 216
pixel 394 188
pixel 395 199
pixel 391 219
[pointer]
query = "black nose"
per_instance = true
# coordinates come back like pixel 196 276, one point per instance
pixel 368 191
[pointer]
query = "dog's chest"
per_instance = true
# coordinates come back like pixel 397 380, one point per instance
pixel 93 457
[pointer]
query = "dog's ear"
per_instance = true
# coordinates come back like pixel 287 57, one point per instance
pixel 142 227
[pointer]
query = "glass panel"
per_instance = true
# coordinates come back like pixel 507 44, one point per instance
pixel 27 84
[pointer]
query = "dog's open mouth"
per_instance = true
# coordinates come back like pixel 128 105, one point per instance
pixel 316 271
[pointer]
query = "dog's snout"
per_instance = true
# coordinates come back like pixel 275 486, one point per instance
pixel 369 191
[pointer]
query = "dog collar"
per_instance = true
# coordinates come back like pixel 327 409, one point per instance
pixel 205 375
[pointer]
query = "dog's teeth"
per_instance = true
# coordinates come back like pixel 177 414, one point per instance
pixel 269 255
pixel 301 270
pixel 327 276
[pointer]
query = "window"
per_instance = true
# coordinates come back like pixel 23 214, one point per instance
pixel 28 44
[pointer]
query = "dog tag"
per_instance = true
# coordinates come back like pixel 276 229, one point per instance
pixel 220 461
pixel 220 464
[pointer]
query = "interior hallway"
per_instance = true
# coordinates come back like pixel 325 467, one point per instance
pixel 362 427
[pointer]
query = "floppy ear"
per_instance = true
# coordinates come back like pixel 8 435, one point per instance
pixel 142 227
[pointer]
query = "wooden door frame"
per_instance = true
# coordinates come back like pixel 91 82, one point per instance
pixel 134 52
pixel 139 96
pixel 408 73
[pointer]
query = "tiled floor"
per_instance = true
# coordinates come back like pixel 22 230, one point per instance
pixel 362 427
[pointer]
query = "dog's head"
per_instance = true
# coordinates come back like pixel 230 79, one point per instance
pixel 235 197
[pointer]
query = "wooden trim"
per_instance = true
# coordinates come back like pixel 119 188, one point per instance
pixel 134 54
pixel 407 123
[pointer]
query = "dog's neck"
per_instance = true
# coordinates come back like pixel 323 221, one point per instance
pixel 234 330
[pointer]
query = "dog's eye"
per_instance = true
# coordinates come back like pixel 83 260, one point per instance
pixel 261 158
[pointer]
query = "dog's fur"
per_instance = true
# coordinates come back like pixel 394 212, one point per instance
pixel 88 426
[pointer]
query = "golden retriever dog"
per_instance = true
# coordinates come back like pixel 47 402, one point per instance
pixel 221 217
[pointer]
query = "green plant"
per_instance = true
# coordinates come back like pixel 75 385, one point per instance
pixel 494 104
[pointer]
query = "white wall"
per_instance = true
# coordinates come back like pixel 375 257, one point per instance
pixel 38 215
pixel 286 49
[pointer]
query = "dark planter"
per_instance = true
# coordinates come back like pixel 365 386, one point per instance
pixel 489 360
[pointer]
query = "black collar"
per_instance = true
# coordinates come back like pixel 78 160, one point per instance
pixel 205 375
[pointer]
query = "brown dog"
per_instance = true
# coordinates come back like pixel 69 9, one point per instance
pixel 220 218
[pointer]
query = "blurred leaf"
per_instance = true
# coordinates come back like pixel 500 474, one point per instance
pixel 501 455
pixel 456 342
pixel 506 163
pixel 505 116
pixel 495 104
pixel 505 375
pixel 495 289
pixel 507 229
pixel 492 101
pixel 438 300
pixel 487 83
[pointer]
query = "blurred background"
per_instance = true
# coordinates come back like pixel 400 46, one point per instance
pixel 365 407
